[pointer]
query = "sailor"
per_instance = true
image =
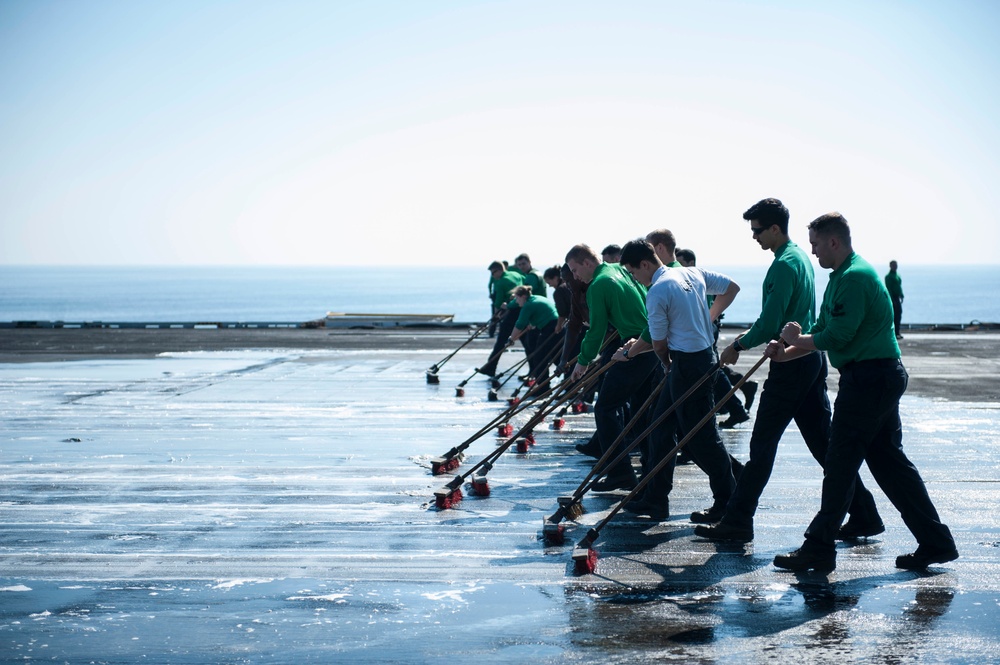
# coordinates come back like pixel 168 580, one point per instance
pixel 793 390
pixel 615 299
pixel 855 328
pixel 682 336
pixel 562 296
pixel 531 277
pixel 537 318
pixel 504 282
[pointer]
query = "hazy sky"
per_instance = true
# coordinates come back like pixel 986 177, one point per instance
pixel 421 132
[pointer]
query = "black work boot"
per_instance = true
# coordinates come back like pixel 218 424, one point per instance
pixel 805 558
pixel 725 532
pixel 924 557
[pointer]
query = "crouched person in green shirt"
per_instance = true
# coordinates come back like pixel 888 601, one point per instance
pixel 613 298
pixel 537 322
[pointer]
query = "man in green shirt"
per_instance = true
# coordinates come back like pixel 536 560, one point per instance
pixel 504 283
pixel 613 298
pixel 793 390
pixel 531 277
pixel 855 329
pixel 895 287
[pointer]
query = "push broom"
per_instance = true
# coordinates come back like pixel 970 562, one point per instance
pixel 560 421
pixel 451 493
pixel 584 554
pixel 453 458
pixel 570 506
pixel 460 388
pixel 536 391
pixel 530 381
pixel 493 395
pixel 555 399
pixel 539 391
pixel 512 371
pixel 432 376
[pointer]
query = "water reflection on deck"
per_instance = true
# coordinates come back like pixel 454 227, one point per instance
pixel 278 507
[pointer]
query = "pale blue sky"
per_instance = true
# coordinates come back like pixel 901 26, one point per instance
pixel 454 132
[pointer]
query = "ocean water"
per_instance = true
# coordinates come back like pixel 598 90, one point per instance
pixel 934 294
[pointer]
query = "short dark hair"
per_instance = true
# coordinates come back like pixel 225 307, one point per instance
pixel 496 265
pixel 686 254
pixel 552 273
pixel 580 252
pixel 636 251
pixel 523 290
pixel 611 249
pixel 768 212
pixel 662 237
pixel 522 256
pixel 832 224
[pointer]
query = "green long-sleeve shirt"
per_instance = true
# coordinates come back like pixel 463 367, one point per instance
pixel 788 294
pixel 855 320
pixel 538 311
pixel 614 298
pixel 503 287
pixel 894 284
pixel 535 281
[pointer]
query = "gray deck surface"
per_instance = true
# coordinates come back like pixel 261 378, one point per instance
pixel 276 506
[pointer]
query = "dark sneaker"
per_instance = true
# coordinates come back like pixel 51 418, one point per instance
pixel 922 558
pixel 657 510
pixel 709 516
pixel 802 561
pixel 724 532
pixel 851 531
pixel 612 483
pixel 749 389
pixel 734 420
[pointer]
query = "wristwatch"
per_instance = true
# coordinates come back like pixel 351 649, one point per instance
pixel 736 345
pixel 625 353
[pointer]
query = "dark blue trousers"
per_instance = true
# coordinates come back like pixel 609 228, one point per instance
pixel 625 383
pixel 866 428
pixel 897 314
pixel 705 447
pixel 542 351
pixel 794 390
